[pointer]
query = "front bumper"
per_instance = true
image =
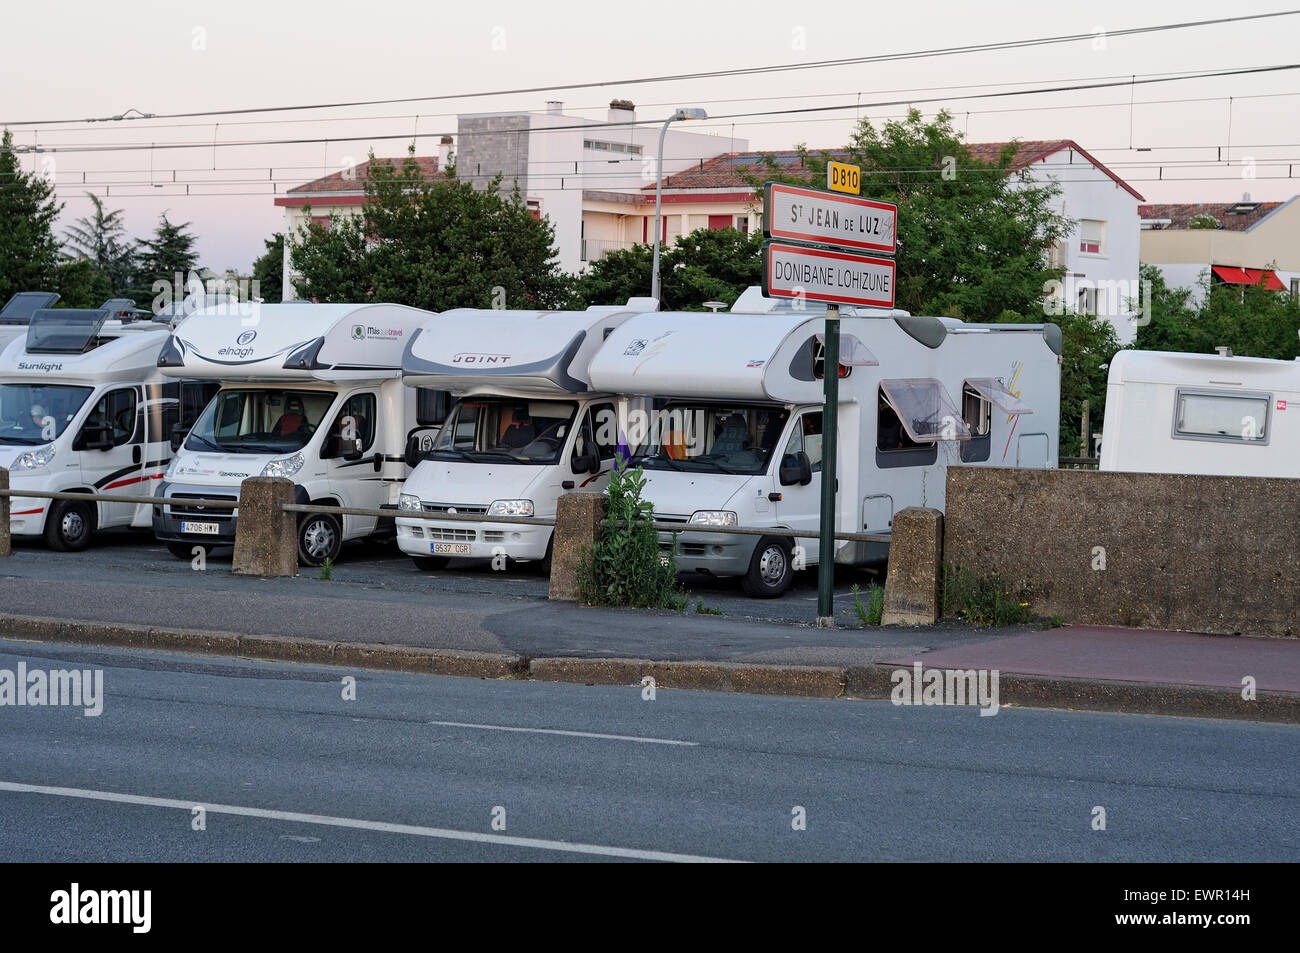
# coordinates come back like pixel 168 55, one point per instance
pixel 169 520
pixel 718 554
pixel 27 515
pixel 523 542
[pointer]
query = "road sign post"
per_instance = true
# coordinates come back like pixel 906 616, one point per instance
pixel 795 221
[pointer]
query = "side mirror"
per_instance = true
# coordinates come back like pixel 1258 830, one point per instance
pixel 795 468
pixel 97 437
pixel 412 454
pixel 179 433
pixel 588 461
pixel 350 450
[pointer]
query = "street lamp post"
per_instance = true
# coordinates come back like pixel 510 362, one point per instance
pixel 681 114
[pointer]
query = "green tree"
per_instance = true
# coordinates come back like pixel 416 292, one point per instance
pixel 100 238
pixel 268 269
pixel 706 265
pixel 1088 344
pixel 974 240
pixel 431 243
pixel 81 284
pixel 170 252
pixel 29 251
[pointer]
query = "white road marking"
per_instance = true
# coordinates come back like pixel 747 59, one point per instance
pixel 412 830
pixel 570 734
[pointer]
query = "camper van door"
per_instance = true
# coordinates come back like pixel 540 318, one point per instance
pixel 350 446
pixel 799 506
pixel 112 447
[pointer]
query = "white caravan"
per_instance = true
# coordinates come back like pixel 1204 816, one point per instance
pixel 1216 414
pixel 738 435
pixel 83 409
pixel 527 427
pixel 311 392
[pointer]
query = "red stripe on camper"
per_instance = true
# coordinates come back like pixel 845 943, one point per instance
pixel 114 486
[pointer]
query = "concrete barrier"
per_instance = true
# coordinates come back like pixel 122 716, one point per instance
pixel 577 526
pixel 5 546
pixel 1195 553
pixel 915 564
pixel 266 537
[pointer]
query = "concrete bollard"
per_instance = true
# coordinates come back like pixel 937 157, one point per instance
pixel 5 549
pixel 915 568
pixel 577 525
pixel 266 537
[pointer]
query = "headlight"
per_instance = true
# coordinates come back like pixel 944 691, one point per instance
pixel 714 518
pixel 35 459
pixel 511 508
pixel 408 502
pixel 285 467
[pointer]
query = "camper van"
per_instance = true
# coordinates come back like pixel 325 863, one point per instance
pixel 526 428
pixel 311 392
pixel 1213 414
pixel 83 409
pixel 737 436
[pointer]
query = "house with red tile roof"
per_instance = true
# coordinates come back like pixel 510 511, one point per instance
pixel 1100 256
pixel 1236 243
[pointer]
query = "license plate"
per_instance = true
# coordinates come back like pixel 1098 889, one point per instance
pixel 451 549
pixel 204 529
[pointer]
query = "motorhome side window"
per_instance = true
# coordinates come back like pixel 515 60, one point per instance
pixel 976 411
pixel 431 406
pixel 355 421
pixel 807 437
pixel 718 438
pixel 35 413
pixel 185 400
pixel 114 415
pixel 891 435
pixel 604 427
pixel 1210 416
pixel 257 420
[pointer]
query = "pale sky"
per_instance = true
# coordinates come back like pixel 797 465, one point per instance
pixel 80 59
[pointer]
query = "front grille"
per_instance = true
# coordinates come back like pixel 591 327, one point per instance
pixel 207 514
pixel 452 535
pixel 468 509
pixel 417 532
pixel 671 518
pixel 693 549
pixel 493 536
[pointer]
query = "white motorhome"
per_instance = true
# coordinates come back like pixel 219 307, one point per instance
pixel 527 427
pixel 83 409
pixel 739 433
pixel 311 392
pixel 1215 414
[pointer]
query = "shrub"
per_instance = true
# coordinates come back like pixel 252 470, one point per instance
pixel 982 600
pixel 624 567
pixel 870 613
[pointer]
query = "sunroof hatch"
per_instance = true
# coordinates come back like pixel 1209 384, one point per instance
pixel 66 330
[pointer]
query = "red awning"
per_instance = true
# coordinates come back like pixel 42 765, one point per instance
pixel 1248 276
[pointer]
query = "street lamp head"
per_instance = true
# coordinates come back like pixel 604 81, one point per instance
pixel 693 112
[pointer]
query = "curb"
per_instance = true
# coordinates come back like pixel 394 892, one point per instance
pixel 805 681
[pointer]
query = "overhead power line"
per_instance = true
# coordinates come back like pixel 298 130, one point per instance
pixel 680 77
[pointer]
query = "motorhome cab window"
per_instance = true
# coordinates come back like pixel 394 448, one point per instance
pixel 807 437
pixel 29 411
pixel 1209 416
pixel 506 429
pixel 114 414
pixel 259 421
pixel 357 417
pixel 713 437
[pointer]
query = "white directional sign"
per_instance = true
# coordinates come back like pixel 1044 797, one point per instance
pixel 795 214
pixel 815 274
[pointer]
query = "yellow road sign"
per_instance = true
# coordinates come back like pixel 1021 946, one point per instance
pixel 841 177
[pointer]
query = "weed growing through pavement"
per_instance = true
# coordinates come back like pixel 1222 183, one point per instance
pixel 982 600
pixel 326 569
pixel 702 609
pixel 624 567
pixel 871 612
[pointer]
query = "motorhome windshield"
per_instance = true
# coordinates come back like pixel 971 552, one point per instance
pixel 718 438
pixel 37 413
pixel 505 430
pixel 259 420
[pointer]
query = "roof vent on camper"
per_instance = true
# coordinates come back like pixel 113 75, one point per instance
pixel 715 306
pixel 20 308
pixel 66 331
pixel 1223 351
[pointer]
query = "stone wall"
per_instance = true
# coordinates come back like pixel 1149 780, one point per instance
pixel 1195 553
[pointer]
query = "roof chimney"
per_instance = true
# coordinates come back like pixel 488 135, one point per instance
pixel 444 153
pixel 554 107
pixel 1245 196
pixel 621 110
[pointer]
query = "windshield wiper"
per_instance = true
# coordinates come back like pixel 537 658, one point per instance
pixel 24 441
pixel 458 452
pixel 206 442
pixel 655 459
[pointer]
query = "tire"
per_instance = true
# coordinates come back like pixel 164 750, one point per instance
pixel 69 525
pixel 320 537
pixel 186 550
pixel 544 565
pixel 770 573
pixel 430 563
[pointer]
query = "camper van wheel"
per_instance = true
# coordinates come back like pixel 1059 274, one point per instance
pixel 769 573
pixel 186 550
pixel 544 566
pixel 68 527
pixel 319 538
pixel 430 563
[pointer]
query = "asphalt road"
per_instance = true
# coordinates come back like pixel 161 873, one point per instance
pixel 414 768
pixel 376 596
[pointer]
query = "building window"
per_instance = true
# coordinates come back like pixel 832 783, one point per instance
pixel 597 145
pixel 1295 287
pixel 322 220
pixel 1086 300
pixel 1092 237
pixel 742 226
